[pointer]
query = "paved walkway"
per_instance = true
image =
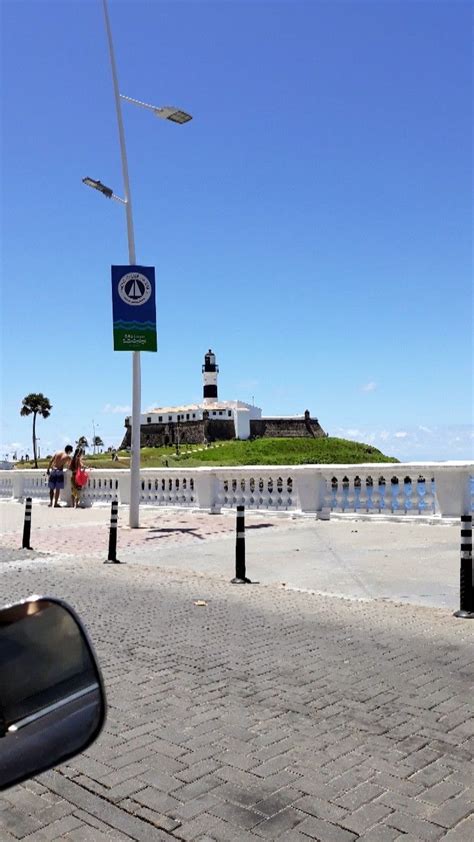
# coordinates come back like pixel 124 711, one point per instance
pixel 265 714
pixel 406 562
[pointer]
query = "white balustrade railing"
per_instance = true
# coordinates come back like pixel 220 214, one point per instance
pixel 390 490
pixel 6 484
pixel 36 485
pixel 373 492
pixel 267 488
pixel 170 488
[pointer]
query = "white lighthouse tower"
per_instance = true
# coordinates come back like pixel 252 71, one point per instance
pixel 209 377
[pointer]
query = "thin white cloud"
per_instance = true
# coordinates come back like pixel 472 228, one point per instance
pixel 369 387
pixel 417 443
pixel 119 409
pixel 245 385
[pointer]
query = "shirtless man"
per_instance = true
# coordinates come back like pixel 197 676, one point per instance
pixel 59 462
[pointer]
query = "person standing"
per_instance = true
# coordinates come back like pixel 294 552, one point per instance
pixel 77 463
pixel 58 463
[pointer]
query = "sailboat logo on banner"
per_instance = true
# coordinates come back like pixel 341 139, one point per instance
pixel 134 289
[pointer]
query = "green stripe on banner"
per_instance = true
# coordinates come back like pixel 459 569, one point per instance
pixel 134 339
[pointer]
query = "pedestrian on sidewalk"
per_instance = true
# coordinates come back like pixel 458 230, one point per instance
pixel 77 483
pixel 56 467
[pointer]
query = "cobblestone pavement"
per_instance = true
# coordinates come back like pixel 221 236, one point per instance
pixel 265 714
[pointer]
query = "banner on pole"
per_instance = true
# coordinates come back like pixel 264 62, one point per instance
pixel 133 305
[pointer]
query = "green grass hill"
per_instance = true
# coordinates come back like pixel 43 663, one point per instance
pixel 291 451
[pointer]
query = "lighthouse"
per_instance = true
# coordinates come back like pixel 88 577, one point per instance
pixel 209 377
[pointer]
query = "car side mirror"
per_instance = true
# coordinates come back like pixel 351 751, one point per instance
pixel 52 698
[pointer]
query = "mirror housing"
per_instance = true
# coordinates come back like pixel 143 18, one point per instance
pixel 52 697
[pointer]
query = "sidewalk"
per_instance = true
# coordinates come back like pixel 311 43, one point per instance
pixel 404 562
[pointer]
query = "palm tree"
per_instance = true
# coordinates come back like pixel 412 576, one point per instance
pixel 82 442
pixel 97 442
pixel 36 404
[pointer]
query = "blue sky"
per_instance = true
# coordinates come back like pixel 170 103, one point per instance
pixel 312 224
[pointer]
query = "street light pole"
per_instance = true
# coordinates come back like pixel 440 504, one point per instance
pixel 134 516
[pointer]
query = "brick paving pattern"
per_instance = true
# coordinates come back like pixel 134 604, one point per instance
pixel 87 532
pixel 263 715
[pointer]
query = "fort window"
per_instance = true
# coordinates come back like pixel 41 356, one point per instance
pixel 194 414
pixel 170 417
pixel 187 416
pixel 220 412
pixel 148 420
pixel 229 413
pixel 160 418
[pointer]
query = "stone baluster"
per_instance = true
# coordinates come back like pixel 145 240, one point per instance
pixel 243 491
pixel 407 488
pixel 271 497
pixel 342 492
pixel 330 500
pixel 252 486
pixel 363 497
pixel 370 491
pixel 291 492
pixel 349 494
pixel 394 490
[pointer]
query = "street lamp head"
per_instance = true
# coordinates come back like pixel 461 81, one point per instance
pixel 169 112
pixel 97 185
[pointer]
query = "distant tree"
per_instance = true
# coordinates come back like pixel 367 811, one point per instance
pixel 97 442
pixel 82 442
pixel 35 404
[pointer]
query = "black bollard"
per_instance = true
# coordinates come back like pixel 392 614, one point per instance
pixel 466 590
pixel 27 525
pixel 240 577
pixel 112 557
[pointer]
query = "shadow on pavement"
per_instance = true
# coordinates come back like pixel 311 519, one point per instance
pixel 258 526
pixel 170 529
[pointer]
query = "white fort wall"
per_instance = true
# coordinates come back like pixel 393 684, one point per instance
pixel 238 411
pixel 421 490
